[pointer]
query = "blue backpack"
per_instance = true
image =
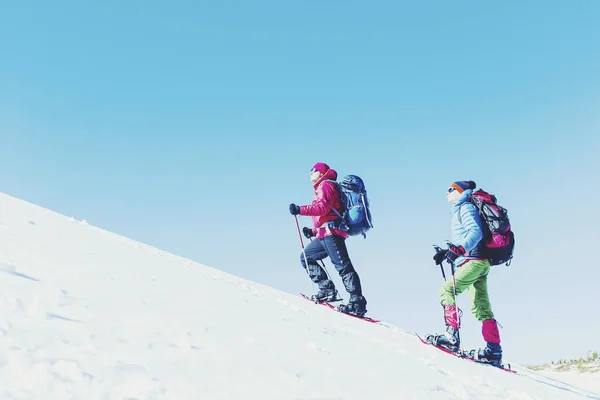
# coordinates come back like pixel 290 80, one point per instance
pixel 356 216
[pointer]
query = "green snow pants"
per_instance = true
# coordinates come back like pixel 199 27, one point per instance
pixel 472 276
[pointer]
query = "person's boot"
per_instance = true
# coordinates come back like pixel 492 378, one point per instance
pixel 491 352
pixel 449 340
pixel 325 295
pixel 327 292
pixel 356 306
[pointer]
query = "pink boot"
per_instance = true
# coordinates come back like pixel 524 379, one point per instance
pixel 451 339
pixel 489 329
pixel 451 316
pixel 492 350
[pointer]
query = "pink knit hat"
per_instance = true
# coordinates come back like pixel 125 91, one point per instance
pixel 321 167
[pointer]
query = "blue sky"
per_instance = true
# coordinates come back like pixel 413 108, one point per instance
pixel 191 127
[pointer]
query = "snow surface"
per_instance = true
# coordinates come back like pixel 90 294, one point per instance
pixel 589 378
pixel 88 314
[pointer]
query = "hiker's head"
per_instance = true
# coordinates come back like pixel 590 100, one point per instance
pixel 457 188
pixel 318 170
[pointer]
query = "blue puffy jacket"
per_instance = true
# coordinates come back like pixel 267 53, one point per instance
pixel 466 228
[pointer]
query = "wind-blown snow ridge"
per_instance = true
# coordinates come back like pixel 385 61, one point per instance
pixel 88 314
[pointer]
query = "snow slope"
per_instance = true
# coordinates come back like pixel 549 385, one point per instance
pixel 587 377
pixel 88 314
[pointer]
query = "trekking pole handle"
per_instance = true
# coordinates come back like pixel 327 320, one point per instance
pixel 305 258
pixel 452 267
pixel 438 248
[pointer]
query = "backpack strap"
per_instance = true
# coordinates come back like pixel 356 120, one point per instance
pixel 362 197
pixel 337 213
pixel 337 185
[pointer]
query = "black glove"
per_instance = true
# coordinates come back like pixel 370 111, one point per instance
pixel 439 256
pixel 294 209
pixel 308 232
pixel 454 252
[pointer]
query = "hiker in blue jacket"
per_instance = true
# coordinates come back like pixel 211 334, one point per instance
pixel 472 268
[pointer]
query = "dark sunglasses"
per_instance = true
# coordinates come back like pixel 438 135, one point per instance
pixel 313 170
pixel 450 190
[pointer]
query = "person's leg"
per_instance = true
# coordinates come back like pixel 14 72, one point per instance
pixel 316 251
pixel 338 253
pixel 464 276
pixel 480 302
pixel 482 310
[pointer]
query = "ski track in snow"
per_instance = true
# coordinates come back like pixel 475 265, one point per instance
pixel 87 314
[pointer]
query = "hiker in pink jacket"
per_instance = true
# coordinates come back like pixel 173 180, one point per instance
pixel 325 199
pixel 329 242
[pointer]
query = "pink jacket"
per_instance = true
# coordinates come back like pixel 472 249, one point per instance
pixel 325 199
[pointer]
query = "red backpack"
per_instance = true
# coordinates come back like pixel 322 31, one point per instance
pixel 498 238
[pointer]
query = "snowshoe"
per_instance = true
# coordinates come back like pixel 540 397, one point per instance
pixel 449 340
pixel 326 296
pixel 491 353
pixel 356 306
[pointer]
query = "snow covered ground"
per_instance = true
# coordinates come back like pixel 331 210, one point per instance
pixel 587 377
pixel 88 314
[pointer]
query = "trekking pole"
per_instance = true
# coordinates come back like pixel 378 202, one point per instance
pixel 305 259
pixel 322 264
pixel 454 287
pixel 452 268
pixel 437 249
